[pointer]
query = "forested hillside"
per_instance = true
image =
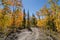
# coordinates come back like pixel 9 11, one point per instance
pixel 11 20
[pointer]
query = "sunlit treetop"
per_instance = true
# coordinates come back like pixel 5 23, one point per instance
pixel 12 2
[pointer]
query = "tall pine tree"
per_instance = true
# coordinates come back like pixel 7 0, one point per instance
pixel 28 22
pixel 24 19
pixel 34 21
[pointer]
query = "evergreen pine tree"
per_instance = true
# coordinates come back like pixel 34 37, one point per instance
pixel 28 22
pixel 24 19
pixel 34 22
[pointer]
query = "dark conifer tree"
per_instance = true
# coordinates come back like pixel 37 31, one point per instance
pixel 34 21
pixel 28 22
pixel 24 19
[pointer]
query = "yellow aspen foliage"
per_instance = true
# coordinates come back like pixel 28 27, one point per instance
pixel 57 21
pixel 10 20
pixel 41 23
pixel 4 22
pixel 1 13
pixel 58 24
pixel 19 18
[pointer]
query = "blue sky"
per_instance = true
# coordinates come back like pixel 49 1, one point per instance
pixel 33 5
